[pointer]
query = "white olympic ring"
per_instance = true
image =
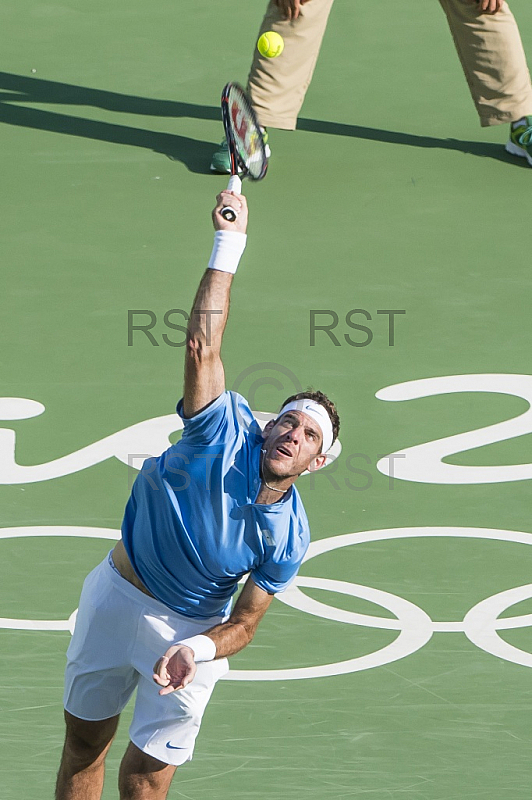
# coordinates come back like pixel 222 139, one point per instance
pixel 481 624
pixel 45 530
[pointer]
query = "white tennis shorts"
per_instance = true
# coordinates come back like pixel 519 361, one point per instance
pixel 119 635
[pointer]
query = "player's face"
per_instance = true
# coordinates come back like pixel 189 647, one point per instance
pixel 292 445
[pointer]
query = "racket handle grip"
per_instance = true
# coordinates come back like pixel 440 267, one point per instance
pixel 234 185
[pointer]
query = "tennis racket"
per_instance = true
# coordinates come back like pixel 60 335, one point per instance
pixel 247 152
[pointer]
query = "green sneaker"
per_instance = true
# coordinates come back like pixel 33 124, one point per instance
pixel 220 159
pixel 520 141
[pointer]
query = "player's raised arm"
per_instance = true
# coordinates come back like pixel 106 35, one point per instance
pixel 204 372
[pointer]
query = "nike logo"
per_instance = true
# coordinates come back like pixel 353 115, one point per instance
pixel 233 465
pixel 171 747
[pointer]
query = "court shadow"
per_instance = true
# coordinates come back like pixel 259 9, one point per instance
pixel 482 149
pixel 195 154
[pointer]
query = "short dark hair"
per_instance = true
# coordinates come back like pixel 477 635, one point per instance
pixel 324 401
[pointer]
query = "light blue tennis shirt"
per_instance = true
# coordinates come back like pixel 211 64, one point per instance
pixel 192 528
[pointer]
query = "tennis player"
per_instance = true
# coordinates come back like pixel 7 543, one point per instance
pixel 220 504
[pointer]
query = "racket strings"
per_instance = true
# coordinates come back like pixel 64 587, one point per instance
pixel 247 135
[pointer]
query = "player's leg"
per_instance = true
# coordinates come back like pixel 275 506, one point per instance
pixel 164 729
pixel 491 52
pixel 143 777
pixel 99 680
pixel 277 86
pixel 82 767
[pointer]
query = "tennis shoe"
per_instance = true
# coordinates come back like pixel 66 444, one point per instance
pixel 221 162
pixel 520 141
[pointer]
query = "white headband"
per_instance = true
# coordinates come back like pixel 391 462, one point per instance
pixel 318 414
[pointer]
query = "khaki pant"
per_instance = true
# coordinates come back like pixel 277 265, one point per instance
pixel 488 45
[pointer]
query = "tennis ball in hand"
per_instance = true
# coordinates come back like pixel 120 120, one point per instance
pixel 270 44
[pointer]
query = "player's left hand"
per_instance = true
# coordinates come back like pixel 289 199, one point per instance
pixel 236 201
pixel 489 6
pixel 175 669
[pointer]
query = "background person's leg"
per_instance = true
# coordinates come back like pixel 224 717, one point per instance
pixel 82 768
pixel 494 63
pixel 277 86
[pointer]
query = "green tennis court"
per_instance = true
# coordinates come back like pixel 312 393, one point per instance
pixel 400 665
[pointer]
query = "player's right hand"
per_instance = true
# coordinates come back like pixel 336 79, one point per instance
pixel 175 669
pixel 236 201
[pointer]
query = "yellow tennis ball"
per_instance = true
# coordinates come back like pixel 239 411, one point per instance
pixel 270 44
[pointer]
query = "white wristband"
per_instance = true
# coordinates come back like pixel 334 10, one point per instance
pixel 227 250
pixel 203 647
